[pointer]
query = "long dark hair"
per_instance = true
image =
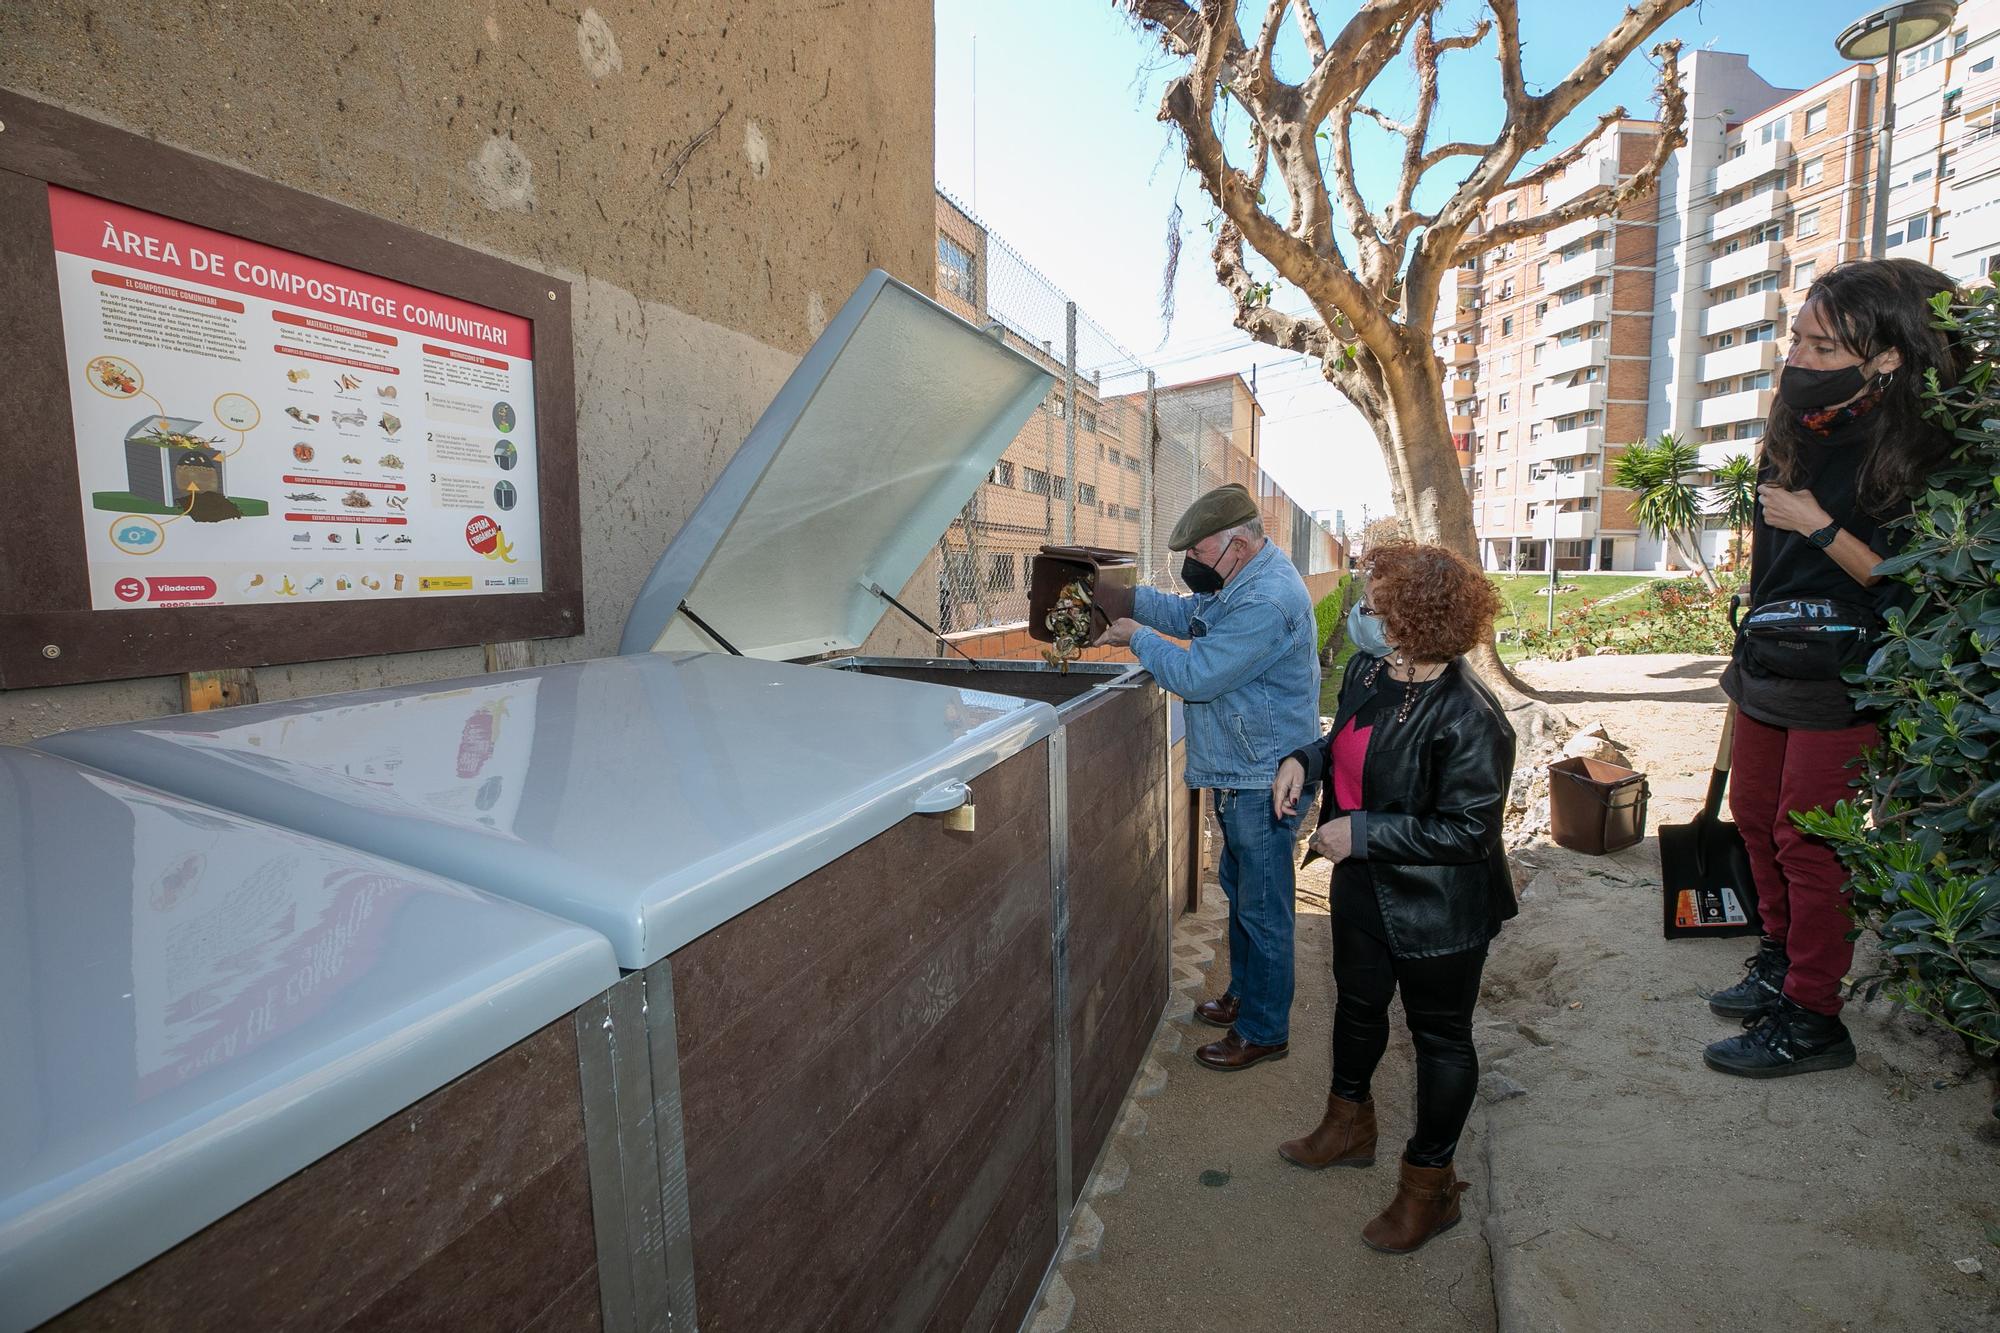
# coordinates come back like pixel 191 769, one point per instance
pixel 1872 305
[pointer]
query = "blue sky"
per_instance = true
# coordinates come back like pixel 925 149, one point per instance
pixel 1075 172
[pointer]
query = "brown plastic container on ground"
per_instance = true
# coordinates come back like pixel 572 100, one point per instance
pixel 1595 807
pixel 1110 575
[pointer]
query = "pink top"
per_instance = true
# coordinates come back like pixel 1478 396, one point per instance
pixel 1350 747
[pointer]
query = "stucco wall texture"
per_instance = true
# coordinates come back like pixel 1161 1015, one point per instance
pixel 712 178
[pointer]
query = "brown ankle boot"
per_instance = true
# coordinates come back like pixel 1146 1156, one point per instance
pixel 1345 1138
pixel 1425 1205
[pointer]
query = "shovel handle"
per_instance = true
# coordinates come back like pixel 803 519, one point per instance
pixel 1728 741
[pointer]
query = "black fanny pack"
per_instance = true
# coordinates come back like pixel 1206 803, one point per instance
pixel 1805 638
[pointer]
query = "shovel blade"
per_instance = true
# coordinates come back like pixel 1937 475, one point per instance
pixel 1705 884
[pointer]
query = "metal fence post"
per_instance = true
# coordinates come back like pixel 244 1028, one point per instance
pixel 1069 422
pixel 1148 493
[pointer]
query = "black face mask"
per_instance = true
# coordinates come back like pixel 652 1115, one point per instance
pixel 1200 576
pixel 1810 390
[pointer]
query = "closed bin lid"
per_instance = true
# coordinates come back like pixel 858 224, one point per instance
pixel 873 446
pixel 649 797
pixel 194 1005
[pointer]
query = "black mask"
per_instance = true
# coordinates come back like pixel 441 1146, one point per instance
pixel 1200 576
pixel 1810 390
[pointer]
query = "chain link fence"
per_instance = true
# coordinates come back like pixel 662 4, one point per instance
pixel 1110 458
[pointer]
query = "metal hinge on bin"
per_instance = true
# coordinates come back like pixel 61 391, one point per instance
pixel 952 800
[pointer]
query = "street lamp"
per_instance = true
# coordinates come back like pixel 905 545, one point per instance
pixel 1883 35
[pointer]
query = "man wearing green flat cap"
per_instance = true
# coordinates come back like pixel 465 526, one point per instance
pixel 1250 679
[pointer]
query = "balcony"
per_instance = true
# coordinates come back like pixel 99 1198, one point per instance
pixel 1461 354
pixel 1578 443
pixel 1725 409
pixel 1756 308
pixel 1748 262
pixel 1747 359
pixel 1577 485
pixel 1568 401
pixel 1713 456
pixel 1581 269
pixel 1460 387
pixel 1559 360
pixel 1462 423
pixel 1575 314
pixel 1565 525
pixel 1752 212
pixel 1759 161
pixel 1581 178
pixel 1569 234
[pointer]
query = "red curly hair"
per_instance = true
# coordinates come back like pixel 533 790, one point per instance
pixel 1434 603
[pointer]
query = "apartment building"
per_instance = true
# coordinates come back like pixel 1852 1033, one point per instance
pixel 1944 176
pixel 1546 344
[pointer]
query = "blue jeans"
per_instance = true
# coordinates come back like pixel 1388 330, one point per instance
pixel 1258 878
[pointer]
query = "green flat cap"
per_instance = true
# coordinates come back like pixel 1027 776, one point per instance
pixel 1223 507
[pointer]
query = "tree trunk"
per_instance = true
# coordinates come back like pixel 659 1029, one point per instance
pixel 1431 498
pixel 1690 544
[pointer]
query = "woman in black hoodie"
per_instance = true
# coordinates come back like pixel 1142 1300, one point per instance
pixel 1846 446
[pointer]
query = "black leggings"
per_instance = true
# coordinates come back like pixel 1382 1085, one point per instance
pixel 1438 997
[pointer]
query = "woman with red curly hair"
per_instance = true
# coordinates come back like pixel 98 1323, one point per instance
pixel 1419 760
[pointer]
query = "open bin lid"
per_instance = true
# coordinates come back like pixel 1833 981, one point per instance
pixel 649 797
pixel 194 1006
pixel 872 447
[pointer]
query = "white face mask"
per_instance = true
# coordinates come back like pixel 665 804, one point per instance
pixel 1367 632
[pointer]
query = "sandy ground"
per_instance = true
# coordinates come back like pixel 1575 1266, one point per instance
pixel 1627 1187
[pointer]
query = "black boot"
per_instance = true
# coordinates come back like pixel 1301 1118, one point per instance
pixel 1784 1040
pixel 1761 986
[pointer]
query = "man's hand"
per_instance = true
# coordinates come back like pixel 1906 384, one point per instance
pixel 1286 789
pixel 1120 634
pixel 1792 511
pixel 1335 839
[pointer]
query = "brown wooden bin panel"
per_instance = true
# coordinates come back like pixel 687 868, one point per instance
pixel 867 1082
pixel 1118 873
pixel 469 1209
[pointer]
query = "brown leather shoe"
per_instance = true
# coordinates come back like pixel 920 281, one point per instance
pixel 1232 1053
pixel 1345 1138
pixel 1219 1012
pixel 1426 1205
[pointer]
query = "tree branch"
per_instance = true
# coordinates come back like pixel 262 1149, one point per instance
pixel 1254 314
pixel 1362 50
pixel 1309 30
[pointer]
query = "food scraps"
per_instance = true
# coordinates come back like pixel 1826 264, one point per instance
pixel 303 452
pixel 350 458
pixel 357 500
pixel 390 423
pixel 1069 621
pixel 390 461
pixel 297 376
pixel 303 418
pixel 113 376
pixel 386 391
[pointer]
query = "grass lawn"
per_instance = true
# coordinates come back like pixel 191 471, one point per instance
pixel 1523 606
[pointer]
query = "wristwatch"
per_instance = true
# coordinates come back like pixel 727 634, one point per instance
pixel 1824 537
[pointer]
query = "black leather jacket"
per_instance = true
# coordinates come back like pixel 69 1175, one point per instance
pixel 1436 786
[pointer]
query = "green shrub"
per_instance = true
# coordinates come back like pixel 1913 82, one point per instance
pixel 1922 837
pixel 1330 613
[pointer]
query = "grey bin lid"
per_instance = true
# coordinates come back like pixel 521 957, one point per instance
pixel 649 797
pixel 194 1006
pixel 850 477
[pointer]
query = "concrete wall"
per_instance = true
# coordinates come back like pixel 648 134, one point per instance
pixel 566 143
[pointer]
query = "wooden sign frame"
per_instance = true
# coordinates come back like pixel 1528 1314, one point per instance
pixel 49 632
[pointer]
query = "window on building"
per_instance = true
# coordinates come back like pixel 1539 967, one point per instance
pixel 1131 462
pixel 1507 289
pixel 1086 494
pixel 1534 393
pixel 1765 283
pixel 955 269
pixel 1003 473
pixel 1807 223
pixel 1771 130
pixel 1059 487
pixel 1115 458
pixel 1803 274
pixel 999 572
pixel 1505 399
pixel 1770 231
pixel 1506 325
pixel 1760 333
pixel 1761 380
pixel 1816 119
pixel 1925 56
pixel 1983 66
pixel 1945 169
pixel 1541 308
pixel 1034 481
pixel 1536 355
pixel 1131 513
pixel 1918 227
pixel 1086 420
pixel 1500 442
pixel 1725 340
pixel 1542 274
pixel 1749 430
pixel 1499 477
pixel 1951 99
pixel 1813 172
pixel 1722 294
pixel 1512 208
pixel 1737 150
pixel 1534 432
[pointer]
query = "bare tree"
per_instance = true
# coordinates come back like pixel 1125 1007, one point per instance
pixel 1374 304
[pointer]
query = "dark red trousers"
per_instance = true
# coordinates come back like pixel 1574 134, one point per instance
pixel 1801 885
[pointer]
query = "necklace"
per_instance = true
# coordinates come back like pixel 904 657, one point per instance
pixel 1410 685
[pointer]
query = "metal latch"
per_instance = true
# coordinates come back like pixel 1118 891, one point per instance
pixel 953 801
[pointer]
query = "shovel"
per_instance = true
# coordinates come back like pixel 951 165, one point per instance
pixel 1705 885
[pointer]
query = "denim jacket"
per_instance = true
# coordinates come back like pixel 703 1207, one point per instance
pixel 1250 675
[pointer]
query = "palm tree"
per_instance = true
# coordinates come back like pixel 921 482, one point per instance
pixel 1734 499
pixel 1666 503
